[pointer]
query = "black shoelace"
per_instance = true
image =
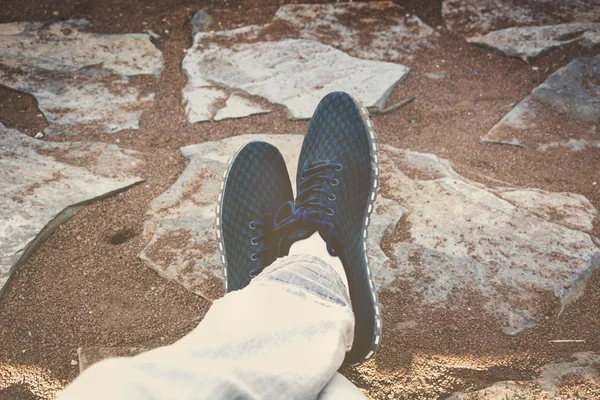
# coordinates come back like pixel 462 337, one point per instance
pixel 304 210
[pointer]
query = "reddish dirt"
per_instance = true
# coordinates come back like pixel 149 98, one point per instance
pixel 85 286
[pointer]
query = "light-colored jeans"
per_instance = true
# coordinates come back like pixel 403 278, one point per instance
pixel 282 337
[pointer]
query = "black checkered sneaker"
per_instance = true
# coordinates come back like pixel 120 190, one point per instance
pixel 337 182
pixel 255 184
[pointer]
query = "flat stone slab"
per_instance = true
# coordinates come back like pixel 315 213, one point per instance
pixel 582 369
pixel 508 246
pixel 90 355
pixel 291 72
pixel 511 247
pixel 528 43
pixel 380 31
pixel 80 79
pixel 292 66
pixel 571 95
pixel 181 226
pixel 470 17
pixel 43 184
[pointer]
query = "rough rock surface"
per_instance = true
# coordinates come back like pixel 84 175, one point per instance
pixel 528 43
pixel 379 31
pixel 509 246
pixel 481 16
pixel 182 219
pixel 294 73
pixel 582 368
pixel 202 104
pixel 42 185
pixel 573 93
pixel 80 79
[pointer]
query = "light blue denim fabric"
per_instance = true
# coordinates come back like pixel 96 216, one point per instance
pixel 282 337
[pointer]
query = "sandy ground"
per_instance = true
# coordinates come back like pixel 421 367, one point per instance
pixel 80 289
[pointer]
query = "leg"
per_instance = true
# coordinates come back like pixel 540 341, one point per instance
pixel 283 336
pixel 340 388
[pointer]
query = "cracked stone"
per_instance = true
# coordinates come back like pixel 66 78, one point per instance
pixel 80 79
pixel 294 73
pixel 374 31
pixel 508 246
pixel 572 93
pixel 42 185
pixel 528 43
pixel 379 31
pixel 181 225
pixel 468 17
pixel 511 247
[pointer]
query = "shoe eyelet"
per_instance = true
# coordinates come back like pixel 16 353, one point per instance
pixel 252 274
pixel 339 167
pixel 332 197
pixel 253 242
pixel 252 225
pixel 335 182
pixel 331 212
pixel 253 257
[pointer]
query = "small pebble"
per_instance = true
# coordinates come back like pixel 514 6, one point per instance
pixel 39 135
pixel 74 362
pixel 56 13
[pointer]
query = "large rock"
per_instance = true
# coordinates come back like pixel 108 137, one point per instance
pixel 43 184
pixel 508 246
pixel 80 79
pixel 511 247
pixel 572 94
pixel 528 43
pixel 553 381
pixel 481 16
pixel 294 73
pixel 378 31
pixel 181 226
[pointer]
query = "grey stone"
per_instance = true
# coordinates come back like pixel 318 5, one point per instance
pixel 511 247
pixel 181 225
pixel 238 107
pixel 74 105
pixel 80 79
pixel 470 17
pixel 67 47
pixel 528 43
pixel 571 90
pixel 42 186
pixel 507 246
pixel 200 21
pixel 581 368
pixel 573 144
pixel 379 31
pixel 294 73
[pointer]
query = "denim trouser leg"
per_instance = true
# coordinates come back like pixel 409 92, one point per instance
pixel 282 337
